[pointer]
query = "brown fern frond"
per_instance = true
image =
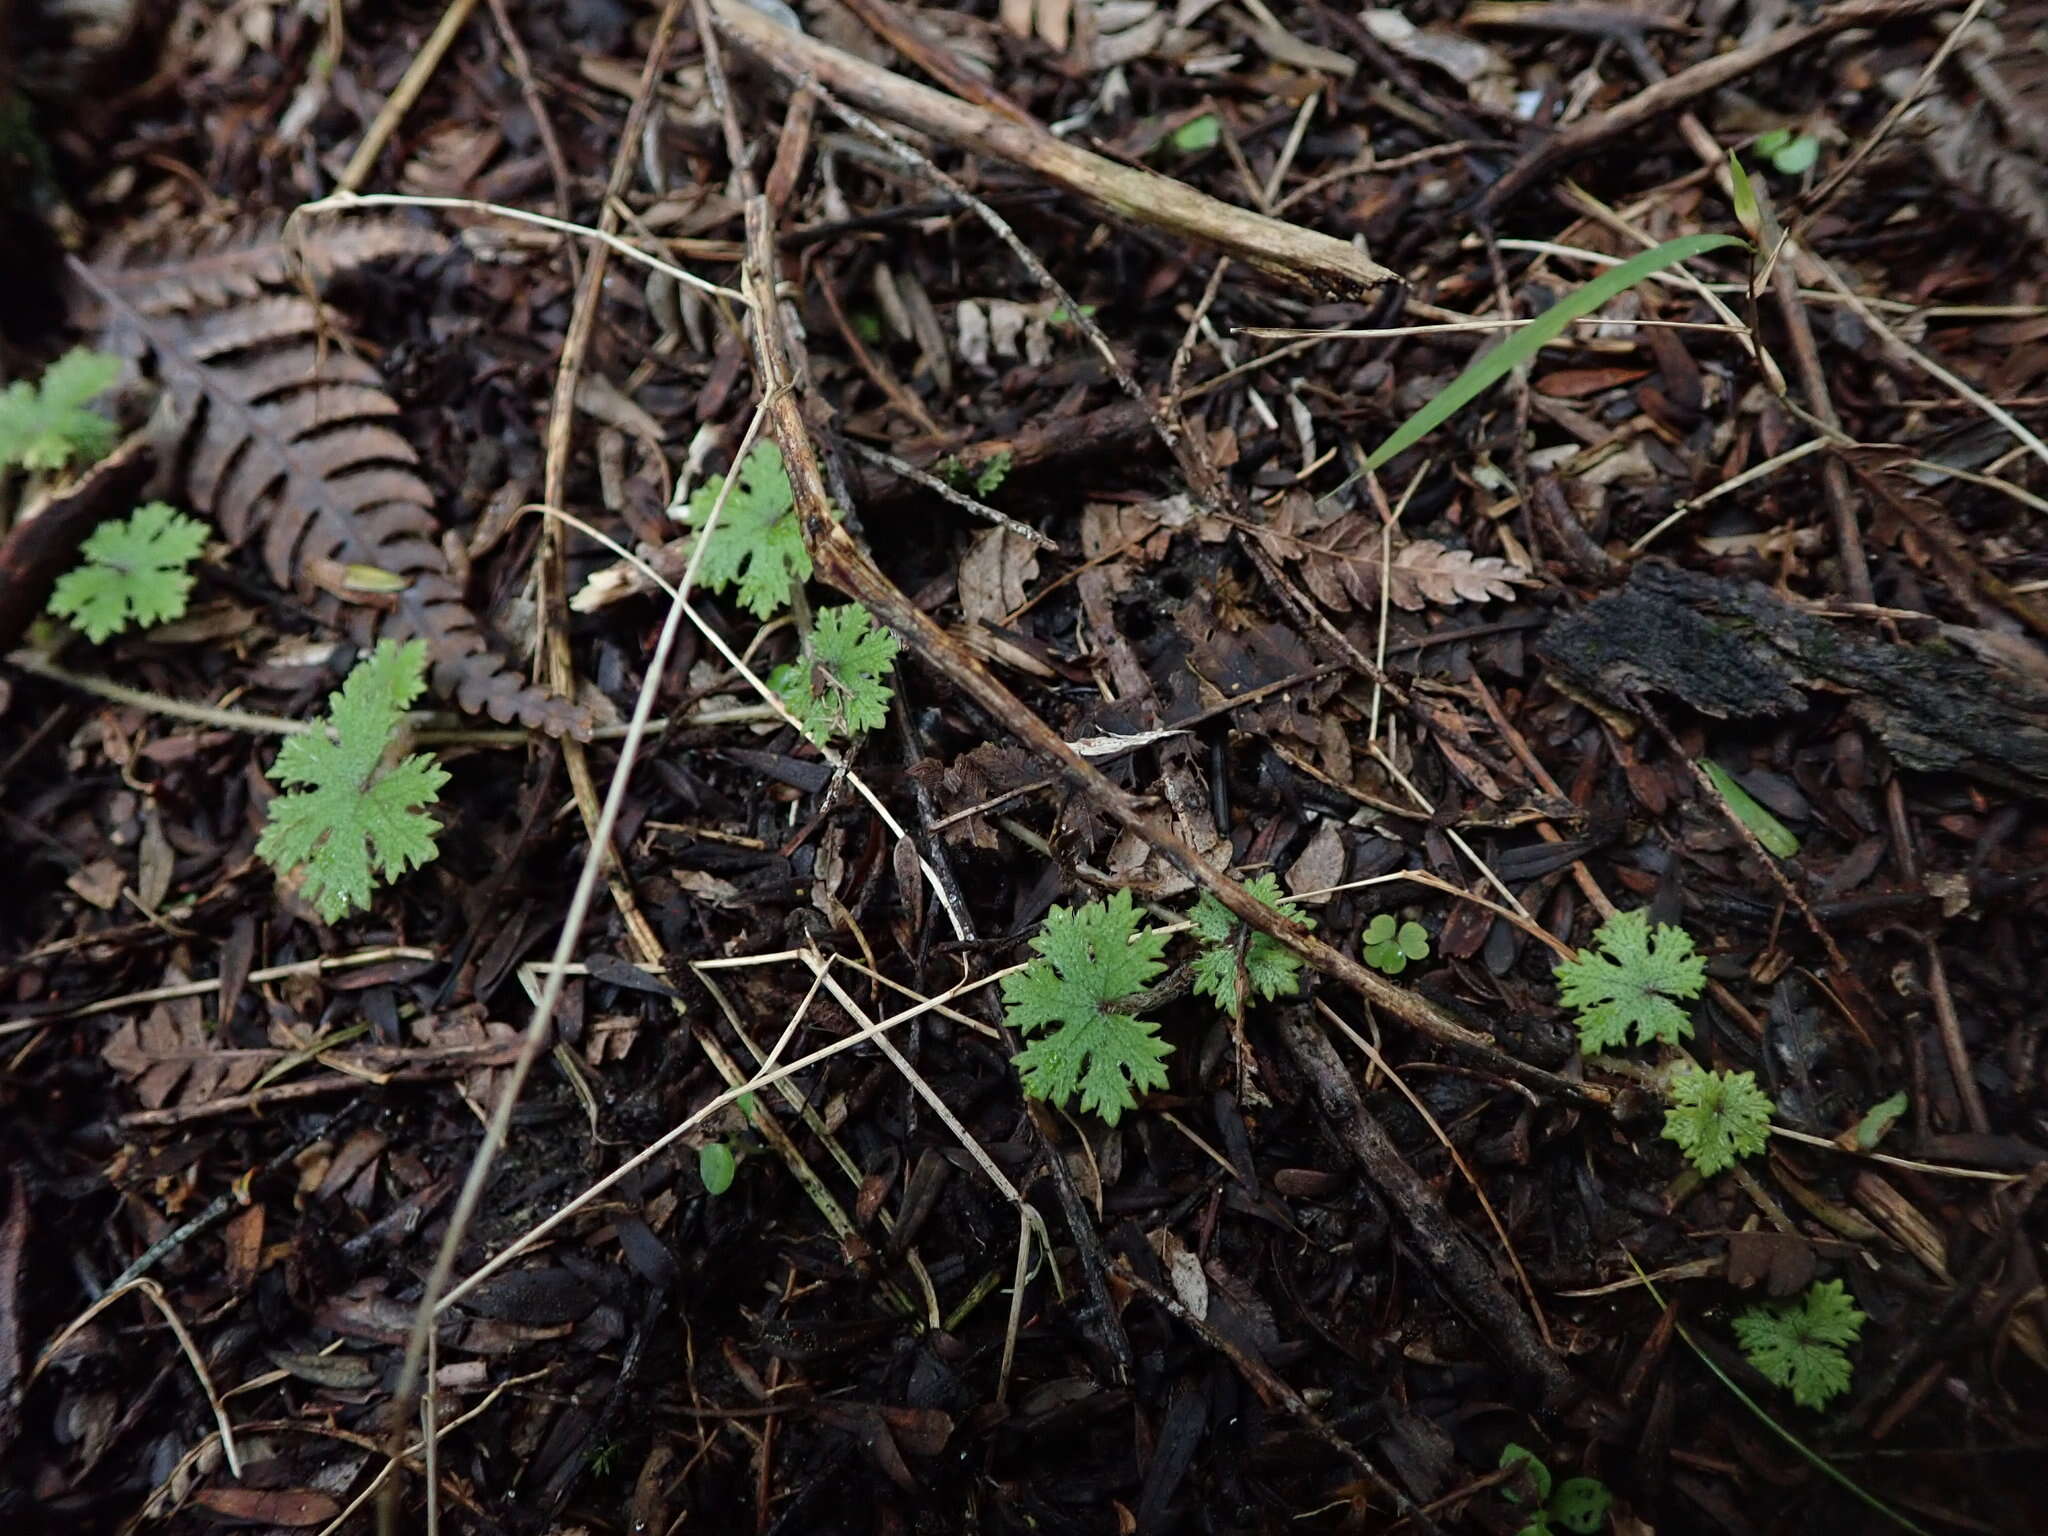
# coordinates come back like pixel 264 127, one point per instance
pixel 242 262
pixel 1338 556
pixel 1989 139
pixel 285 438
pixel 1910 517
pixel 2008 63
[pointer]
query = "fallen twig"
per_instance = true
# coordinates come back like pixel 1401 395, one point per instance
pixel 1302 257
pixel 1444 1247
pixel 1589 133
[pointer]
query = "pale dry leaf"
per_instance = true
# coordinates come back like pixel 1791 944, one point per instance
pixel 994 574
pixel 99 883
pixel 971 334
pixel 1464 59
pixel 1183 1270
pixel 1321 864
pixel 1117 47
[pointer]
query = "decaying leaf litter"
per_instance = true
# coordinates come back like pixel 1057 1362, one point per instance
pixel 1103 268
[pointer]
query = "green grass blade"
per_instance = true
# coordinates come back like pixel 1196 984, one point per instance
pixel 1771 832
pixel 1819 1462
pixel 1489 368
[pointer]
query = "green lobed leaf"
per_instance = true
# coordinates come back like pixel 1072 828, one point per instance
pixel 1636 987
pixel 841 688
pixel 1089 960
pixel 1526 341
pixel 134 572
pixel 1272 969
pixel 1719 1119
pixel 46 425
pixel 1800 1345
pixel 355 822
pixel 757 544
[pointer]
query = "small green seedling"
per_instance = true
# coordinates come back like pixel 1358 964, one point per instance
pixel 1720 1118
pixel 1390 945
pixel 993 473
pixel 1578 1504
pixel 1790 153
pixel 357 820
pixel 135 572
pixel 841 686
pixel 1877 1124
pixel 1271 967
pixel 1799 1345
pixel 1635 988
pixel 1089 961
pixel 983 482
pixel 47 426
pixel 757 545
pixel 716 1166
pixel 1197 134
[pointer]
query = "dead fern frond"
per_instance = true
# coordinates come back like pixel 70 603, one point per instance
pixel 283 435
pixel 1338 557
pixel 1989 140
pixel 241 262
pixel 1907 516
pixel 2008 63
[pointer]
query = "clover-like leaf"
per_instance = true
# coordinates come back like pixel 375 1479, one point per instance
pixel 1391 944
pixel 1531 1482
pixel 1580 1504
